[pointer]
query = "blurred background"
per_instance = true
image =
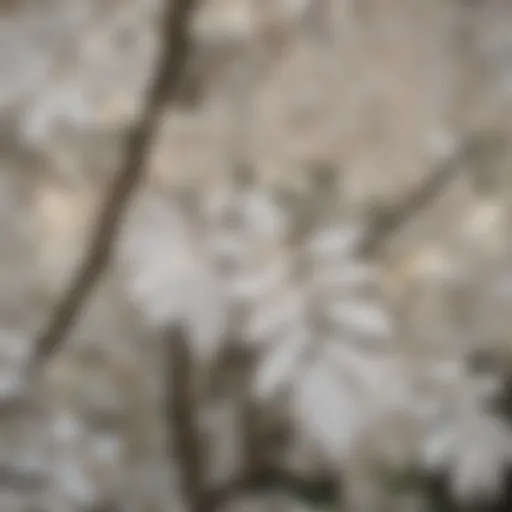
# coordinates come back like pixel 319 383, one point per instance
pixel 243 350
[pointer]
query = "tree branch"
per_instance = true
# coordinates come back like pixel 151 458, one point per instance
pixel 387 224
pixel 184 436
pixel 165 87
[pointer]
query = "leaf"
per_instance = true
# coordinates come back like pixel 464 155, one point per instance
pixel 205 312
pixel 264 216
pixel 334 241
pixel 159 258
pixel 279 365
pixel 482 458
pixel 362 318
pixel 326 411
pixel 256 285
pixel 275 316
pixel 343 277
pixel 438 449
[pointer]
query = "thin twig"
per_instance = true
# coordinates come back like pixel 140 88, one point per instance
pixel 387 224
pixel 184 437
pixel 164 88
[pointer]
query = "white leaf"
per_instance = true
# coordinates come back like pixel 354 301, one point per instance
pixel 274 316
pixel 438 450
pixel 248 288
pixel 327 413
pixel 14 352
pixel 264 216
pixel 254 286
pixel 264 324
pixel 205 314
pixel 279 365
pixel 481 460
pixel 343 278
pixel 229 245
pixel 73 480
pixel 334 241
pixel 361 318
pixel 379 380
